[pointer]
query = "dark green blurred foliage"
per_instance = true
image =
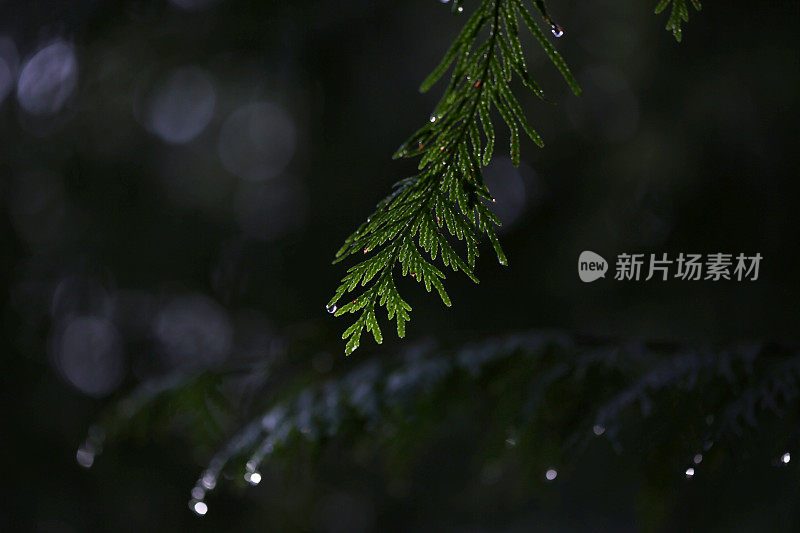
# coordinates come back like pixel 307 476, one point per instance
pixel 494 431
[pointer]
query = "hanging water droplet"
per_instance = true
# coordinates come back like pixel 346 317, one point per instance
pixel 598 430
pixel 557 30
pixel 460 9
pixel 85 457
pixel 551 474
pixel 208 481
pixel 698 458
pixel 331 308
pixel 433 118
pixel 689 472
pixel 785 458
pixel 199 507
pixel 254 478
pixel 198 493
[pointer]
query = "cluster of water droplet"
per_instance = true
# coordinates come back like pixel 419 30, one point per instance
pixel 91 447
pixel 207 482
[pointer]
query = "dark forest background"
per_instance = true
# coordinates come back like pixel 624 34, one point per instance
pixel 176 177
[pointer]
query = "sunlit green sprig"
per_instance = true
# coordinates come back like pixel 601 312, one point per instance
pixel 678 15
pixel 447 198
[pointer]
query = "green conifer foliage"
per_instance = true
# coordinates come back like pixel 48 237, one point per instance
pixel 679 14
pixel 414 229
pixel 447 200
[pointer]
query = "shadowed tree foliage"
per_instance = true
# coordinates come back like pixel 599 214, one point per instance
pixel 546 400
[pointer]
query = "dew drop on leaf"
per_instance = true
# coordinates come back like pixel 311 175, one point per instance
pixel 208 481
pixel 331 308
pixel 253 478
pixel 85 457
pixel 557 30
pixel 199 507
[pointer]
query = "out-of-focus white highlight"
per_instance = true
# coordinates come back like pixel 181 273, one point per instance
pixel 257 141
pixel 88 354
pixel 181 106
pixel 48 79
